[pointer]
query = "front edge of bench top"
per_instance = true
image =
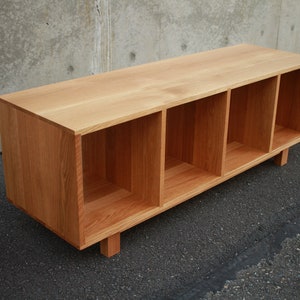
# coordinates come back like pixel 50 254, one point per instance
pixel 91 103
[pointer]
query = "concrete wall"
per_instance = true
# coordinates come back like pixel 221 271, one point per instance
pixel 289 29
pixel 46 41
pixel 151 30
pixel 49 41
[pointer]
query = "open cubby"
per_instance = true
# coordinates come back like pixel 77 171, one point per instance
pixel 92 157
pixel 121 171
pixel 251 118
pixel 195 134
pixel 287 128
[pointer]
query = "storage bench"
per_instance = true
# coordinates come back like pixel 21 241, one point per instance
pixel 91 157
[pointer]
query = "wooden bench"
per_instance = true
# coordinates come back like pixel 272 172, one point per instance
pixel 94 156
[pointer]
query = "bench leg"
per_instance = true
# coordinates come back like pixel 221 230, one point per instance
pixel 282 158
pixel 111 245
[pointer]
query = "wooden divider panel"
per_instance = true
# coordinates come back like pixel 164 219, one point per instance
pixel 147 161
pixel 210 133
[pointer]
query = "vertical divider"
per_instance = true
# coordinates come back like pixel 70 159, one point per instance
pixel 278 79
pixel 226 126
pixel 211 115
pixel 147 159
pixel 163 155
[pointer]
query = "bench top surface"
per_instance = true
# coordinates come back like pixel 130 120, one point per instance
pixel 95 102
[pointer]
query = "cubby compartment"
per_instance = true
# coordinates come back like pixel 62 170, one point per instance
pixel 195 139
pixel 251 119
pixel 287 128
pixel 121 172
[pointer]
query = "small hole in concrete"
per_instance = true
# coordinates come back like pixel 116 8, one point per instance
pixel 262 32
pixel 226 41
pixel 70 69
pixel 132 56
pixel 292 27
pixel 183 47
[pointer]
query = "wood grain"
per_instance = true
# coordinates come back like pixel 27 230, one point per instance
pixel 91 103
pixel 281 159
pixel 285 137
pixel 196 132
pixel 183 180
pixel 240 155
pixel 252 113
pixel 111 245
pixel 42 172
pixel 92 157
pixel 288 110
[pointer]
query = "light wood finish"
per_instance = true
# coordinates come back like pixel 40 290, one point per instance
pixel 111 245
pixel 281 159
pixel 252 114
pixel 126 177
pixel 288 109
pixel 43 175
pixel 195 144
pixel 92 157
pixel 195 132
pixel 91 103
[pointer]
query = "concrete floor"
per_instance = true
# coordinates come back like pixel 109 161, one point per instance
pixel 277 278
pixel 185 253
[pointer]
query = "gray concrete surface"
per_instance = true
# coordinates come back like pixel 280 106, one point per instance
pixel 49 41
pixel 151 30
pixel 289 35
pixel 46 41
pixel 269 279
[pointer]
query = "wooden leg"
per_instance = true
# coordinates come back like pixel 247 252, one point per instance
pixel 282 158
pixel 111 245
